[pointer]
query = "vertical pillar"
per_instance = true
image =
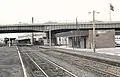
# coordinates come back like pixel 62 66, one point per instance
pixel 94 31
pixel 66 41
pixel 47 36
pixel 9 42
pixel 73 42
pixel 32 35
pixel 32 38
pixel 76 33
pixel 53 38
pixel 50 37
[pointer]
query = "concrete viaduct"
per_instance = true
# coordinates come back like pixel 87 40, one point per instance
pixel 16 28
pixel 57 28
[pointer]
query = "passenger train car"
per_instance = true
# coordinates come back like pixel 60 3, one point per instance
pixel 117 40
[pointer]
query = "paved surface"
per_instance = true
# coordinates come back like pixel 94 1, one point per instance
pixel 112 54
pixel 110 51
pixel 106 62
pixel 10 65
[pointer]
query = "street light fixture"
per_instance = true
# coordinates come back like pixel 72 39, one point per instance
pixel 94 35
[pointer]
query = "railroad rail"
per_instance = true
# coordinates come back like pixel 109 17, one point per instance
pixel 101 66
pixel 40 66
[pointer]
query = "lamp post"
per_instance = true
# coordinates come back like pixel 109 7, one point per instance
pixel 76 32
pixel 94 35
pixel 32 36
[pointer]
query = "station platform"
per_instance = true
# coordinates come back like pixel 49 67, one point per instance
pixel 110 51
pixel 109 55
pixel 104 53
pixel 104 59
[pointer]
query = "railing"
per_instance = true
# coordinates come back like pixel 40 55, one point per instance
pixel 45 27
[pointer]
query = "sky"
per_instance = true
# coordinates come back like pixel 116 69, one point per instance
pixel 16 11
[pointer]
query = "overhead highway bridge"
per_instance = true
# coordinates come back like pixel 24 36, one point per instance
pixel 15 28
pixel 59 27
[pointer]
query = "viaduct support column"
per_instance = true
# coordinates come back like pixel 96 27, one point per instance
pixel 51 35
pixel 50 42
pixel 32 37
pixel 9 42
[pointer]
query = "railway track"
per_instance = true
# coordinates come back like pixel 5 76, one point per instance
pixel 39 57
pixel 77 61
pixel 40 66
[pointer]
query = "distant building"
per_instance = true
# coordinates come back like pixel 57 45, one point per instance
pixel 9 41
pixel 37 38
pixel 84 38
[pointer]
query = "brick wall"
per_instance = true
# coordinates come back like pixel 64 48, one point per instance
pixel 104 38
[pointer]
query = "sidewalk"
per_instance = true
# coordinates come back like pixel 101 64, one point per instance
pixel 110 51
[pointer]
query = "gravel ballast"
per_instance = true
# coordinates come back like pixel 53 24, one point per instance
pixel 10 65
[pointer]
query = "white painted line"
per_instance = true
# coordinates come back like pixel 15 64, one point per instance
pixel 37 65
pixel 23 66
pixel 106 53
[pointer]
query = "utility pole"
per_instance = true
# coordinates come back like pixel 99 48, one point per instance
pixel 94 35
pixel 32 35
pixel 111 9
pixel 93 30
pixel 110 15
pixel 74 38
pixel 76 23
pixel 76 32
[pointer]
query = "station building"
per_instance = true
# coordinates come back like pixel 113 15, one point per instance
pixel 38 38
pixel 84 38
pixel 9 41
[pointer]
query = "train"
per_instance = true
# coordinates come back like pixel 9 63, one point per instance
pixel 117 40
